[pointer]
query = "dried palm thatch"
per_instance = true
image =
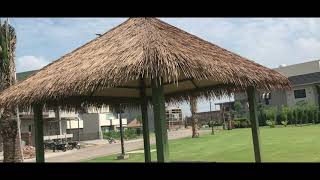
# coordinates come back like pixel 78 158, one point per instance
pixel 112 65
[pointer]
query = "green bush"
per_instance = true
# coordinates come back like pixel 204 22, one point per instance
pixel 130 134
pixel 315 116
pixel 236 124
pixel 278 118
pixel 284 123
pixel 299 116
pixel 284 114
pixel 294 117
pixel 111 134
pixel 127 134
pixel 304 119
pixel 241 123
pixel 271 113
pixel 310 115
pixel 290 117
pixel 271 123
pixel 262 119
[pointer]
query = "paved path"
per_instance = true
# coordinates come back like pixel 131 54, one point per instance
pixel 108 149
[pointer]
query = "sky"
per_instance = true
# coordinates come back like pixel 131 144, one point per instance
pixel 268 41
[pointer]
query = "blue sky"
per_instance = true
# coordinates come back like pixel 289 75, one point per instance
pixel 268 41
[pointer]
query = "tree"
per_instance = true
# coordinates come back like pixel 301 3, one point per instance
pixel 193 108
pixel 237 108
pixel 9 129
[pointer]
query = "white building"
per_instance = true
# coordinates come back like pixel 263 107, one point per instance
pixel 90 125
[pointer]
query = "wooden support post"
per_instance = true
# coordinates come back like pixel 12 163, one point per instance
pixel 58 118
pixel 38 122
pixel 145 126
pixel 160 120
pixel 251 93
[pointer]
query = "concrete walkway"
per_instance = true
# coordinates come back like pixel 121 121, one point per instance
pixel 108 149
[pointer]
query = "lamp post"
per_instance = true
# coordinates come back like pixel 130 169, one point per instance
pixel 122 155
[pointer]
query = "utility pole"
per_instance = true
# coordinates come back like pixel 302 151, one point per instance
pixel 211 122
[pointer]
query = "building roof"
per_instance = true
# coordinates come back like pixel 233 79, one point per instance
pixel 134 123
pixel 305 79
pixel 299 69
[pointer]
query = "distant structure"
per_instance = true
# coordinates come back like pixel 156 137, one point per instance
pixel 174 117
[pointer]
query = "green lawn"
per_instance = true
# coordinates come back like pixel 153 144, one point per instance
pixel 280 144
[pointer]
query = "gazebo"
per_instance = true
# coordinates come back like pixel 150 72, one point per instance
pixel 141 62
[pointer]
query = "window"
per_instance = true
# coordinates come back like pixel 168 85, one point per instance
pixel 300 93
pixel 109 116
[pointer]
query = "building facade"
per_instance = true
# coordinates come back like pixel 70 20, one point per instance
pixel 87 125
pixel 305 81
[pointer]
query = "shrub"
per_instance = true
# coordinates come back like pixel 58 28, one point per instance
pixel 278 118
pixel 271 123
pixel 262 119
pixel 299 115
pixel 111 134
pixel 309 115
pixel 130 134
pixel 315 116
pixel 127 134
pixel 236 124
pixel 284 113
pixel 284 123
pixel 241 123
pixel 271 113
pixel 244 124
pixel 312 116
pixel 294 117
pixel 290 117
pixel 304 117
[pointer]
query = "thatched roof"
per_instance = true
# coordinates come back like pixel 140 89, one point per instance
pixel 111 65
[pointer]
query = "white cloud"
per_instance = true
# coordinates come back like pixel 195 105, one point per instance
pixel 28 63
pixel 268 41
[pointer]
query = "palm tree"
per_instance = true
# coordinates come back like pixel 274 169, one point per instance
pixel 193 108
pixel 9 126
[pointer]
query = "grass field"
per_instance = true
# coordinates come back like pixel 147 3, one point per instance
pixel 280 144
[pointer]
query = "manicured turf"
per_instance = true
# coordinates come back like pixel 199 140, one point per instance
pixel 280 144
